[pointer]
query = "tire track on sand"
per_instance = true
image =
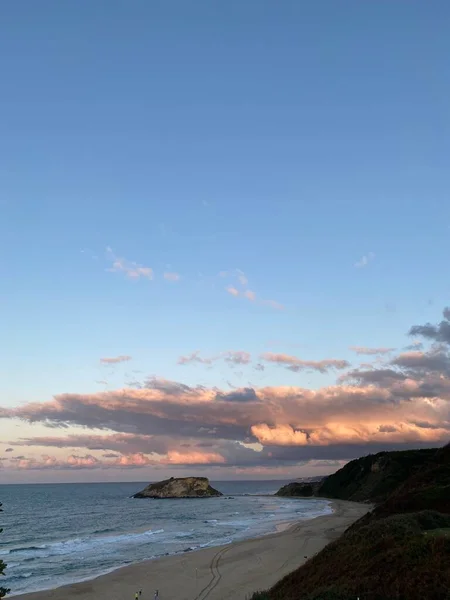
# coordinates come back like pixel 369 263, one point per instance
pixel 216 575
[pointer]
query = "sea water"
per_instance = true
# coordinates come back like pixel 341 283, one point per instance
pixel 56 534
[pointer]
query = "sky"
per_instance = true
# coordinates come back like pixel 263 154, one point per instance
pixel 224 229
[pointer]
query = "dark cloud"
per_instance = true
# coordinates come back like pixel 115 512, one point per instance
pixel 439 333
pixel 447 313
pixel 387 429
pixel 382 377
pixel 424 361
pixel 239 395
pixel 367 411
pixel 9 450
pixel 427 425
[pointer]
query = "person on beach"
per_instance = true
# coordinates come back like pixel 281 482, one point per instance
pixel 156 595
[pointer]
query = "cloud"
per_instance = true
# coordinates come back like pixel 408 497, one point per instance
pixel 233 357
pixel 131 269
pixel 9 450
pixel 194 357
pixel 439 333
pixel 438 361
pixel 279 435
pixel 387 429
pixel 370 351
pixel 273 304
pixel 172 276
pixel 238 357
pixel 296 364
pixel 114 360
pixel 404 403
pixel 232 290
pixel 365 260
pixel 193 458
pixel 238 395
pixel 240 289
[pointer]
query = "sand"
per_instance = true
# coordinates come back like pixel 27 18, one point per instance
pixel 233 571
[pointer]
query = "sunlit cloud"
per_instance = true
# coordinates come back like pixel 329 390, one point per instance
pixel 131 269
pixel 297 364
pixel 400 404
pixel 114 360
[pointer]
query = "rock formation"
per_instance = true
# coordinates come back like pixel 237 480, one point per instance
pixel 179 487
pixel 303 489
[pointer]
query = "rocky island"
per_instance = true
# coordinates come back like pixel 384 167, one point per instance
pixel 179 487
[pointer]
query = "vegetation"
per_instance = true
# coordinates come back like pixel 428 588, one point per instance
pixel 398 551
pixel 299 489
pixel 373 478
pixel 3 591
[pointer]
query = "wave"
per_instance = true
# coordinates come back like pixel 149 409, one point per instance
pixel 78 544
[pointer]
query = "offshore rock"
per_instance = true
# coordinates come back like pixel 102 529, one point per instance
pixel 179 487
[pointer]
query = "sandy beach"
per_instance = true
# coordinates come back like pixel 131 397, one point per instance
pixel 233 571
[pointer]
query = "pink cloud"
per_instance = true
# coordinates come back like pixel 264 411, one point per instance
pixel 193 458
pixel 114 360
pixel 232 290
pixel 131 269
pixel 401 403
pixel 296 364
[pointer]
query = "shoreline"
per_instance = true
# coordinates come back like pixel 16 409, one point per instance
pixel 232 570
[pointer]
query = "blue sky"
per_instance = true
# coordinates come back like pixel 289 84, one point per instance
pixel 282 140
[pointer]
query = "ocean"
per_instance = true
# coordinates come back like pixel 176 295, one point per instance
pixel 55 534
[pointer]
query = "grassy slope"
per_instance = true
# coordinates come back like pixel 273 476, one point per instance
pixel 400 550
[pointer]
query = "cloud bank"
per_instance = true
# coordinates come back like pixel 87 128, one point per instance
pixel 403 402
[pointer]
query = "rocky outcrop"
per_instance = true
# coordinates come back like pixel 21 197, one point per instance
pixel 179 487
pixel 304 489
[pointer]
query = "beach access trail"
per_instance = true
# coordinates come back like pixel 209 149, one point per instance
pixel 230 572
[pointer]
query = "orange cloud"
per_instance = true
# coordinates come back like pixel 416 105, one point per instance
pixel 279 435
pixel 404 402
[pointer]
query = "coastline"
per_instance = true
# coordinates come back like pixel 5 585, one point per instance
pixel 232 571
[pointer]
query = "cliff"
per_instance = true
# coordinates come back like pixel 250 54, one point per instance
pixel 304 489
pixel 179 487
pixel 400 550
pixel 370 478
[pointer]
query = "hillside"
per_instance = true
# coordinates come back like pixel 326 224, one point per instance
pixel 374 477
pixel 398 551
